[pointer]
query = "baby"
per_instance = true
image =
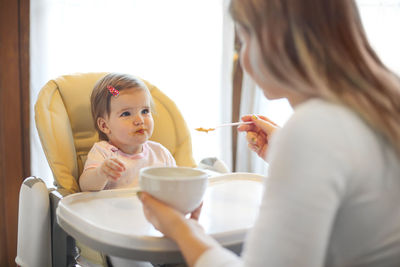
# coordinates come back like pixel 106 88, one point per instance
pixel 122 112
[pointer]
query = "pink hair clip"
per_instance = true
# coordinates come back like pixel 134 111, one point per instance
pixel 113 91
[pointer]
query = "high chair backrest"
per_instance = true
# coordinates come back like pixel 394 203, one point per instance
pixel 66 129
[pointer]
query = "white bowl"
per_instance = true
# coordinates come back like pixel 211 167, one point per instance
pixel 182 188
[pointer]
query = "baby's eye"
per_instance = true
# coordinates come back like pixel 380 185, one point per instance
pixel 146 111
pixel 125 114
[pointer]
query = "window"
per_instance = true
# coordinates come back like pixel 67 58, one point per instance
pixel 381 19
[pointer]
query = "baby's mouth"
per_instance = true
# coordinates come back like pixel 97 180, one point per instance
pixel 140 131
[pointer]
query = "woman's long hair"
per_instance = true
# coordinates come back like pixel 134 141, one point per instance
pixel 321 48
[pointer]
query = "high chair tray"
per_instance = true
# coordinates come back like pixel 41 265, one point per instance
pixel 112 221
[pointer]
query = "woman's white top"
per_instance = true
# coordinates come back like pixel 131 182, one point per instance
pixel 332 197
pixel 153 154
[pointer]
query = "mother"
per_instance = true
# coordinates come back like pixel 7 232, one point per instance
pixel 333 193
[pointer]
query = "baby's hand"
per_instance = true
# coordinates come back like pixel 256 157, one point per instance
pixel 111 168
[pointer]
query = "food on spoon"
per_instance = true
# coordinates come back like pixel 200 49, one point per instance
pixel 201 129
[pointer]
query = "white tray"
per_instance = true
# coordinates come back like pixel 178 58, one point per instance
pixel 112 221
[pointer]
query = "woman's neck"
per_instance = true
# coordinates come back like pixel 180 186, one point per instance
pixel 296 98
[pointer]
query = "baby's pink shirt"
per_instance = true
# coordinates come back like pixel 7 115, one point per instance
pixel 153 154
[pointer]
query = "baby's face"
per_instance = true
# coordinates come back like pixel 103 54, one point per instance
pixel 130 123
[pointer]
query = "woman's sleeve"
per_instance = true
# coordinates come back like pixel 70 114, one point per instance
pixel 304 188
pixel 218 257
pixel 306 184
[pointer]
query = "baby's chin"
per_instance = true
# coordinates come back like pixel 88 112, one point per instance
pixel 140 137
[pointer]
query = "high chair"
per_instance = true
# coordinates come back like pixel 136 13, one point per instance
pixel 64 123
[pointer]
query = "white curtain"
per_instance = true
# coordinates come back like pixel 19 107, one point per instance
pixel 225 111
pixel 381 19
pixel 177 45
pixel 254 102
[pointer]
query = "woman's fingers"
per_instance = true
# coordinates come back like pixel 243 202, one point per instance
pixel 252 138
pixel 148 201
pixel 253 147
pixel 149 204
pixel 260 123
pixel 257 139
pixel 196 213
pixel 164 218
pixel 266 119
pixel 252 117
pixel 260 150
pixel 258 142
pixel 265 126
pixel 247 117
pixel 263 152
pixel 258 133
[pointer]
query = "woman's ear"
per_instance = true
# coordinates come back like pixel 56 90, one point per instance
pixel 102 124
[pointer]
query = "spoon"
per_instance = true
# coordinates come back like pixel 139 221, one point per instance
pixel 201 129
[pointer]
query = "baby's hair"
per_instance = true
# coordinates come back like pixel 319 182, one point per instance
pixel 101 97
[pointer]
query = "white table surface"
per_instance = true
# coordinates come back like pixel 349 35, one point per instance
pixel 112 221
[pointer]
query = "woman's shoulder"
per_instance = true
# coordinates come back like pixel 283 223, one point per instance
pixel 323 128
pixel 319 123
pixel 326 135
pixel 321 110
pixel 317 116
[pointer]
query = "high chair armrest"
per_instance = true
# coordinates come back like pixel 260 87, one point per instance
pixel 41 241
pixel 34 233
pixel 213 165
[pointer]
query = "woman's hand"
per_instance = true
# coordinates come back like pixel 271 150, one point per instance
pixel 187 233
pixel 258 133
pixel 164 218
pixel 111 168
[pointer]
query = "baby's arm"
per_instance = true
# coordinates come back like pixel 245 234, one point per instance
pixel 96 178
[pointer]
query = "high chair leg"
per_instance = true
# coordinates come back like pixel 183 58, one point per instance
pixel 63 246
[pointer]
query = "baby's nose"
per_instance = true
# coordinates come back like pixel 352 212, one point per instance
pixel 138 121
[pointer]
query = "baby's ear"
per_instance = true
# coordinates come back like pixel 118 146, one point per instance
pixel 102 124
